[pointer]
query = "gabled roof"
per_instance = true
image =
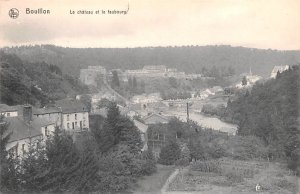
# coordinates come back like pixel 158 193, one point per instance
pixel 158 117
pixel 71 106
pixel 20 129
pixel 141 126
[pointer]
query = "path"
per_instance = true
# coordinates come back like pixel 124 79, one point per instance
pixel 169 180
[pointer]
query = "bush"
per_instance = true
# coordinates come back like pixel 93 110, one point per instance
pixel 234 177
pixel 149 163
pixel 207 166
pixel 169 154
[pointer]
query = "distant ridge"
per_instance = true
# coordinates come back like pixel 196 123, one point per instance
pixel 190 59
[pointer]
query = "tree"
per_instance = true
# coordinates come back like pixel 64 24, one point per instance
pixel 59 166
pixel 196 150
pixel 169 153
pixel 149 165
pixel 130 83
pixel 173 82
pixel 115 80
pixel 185 156
pixel 143 85
pixel 34 164
pixel 104 103
pixel 117 129
pixel 8 168
pixel 244 81
pixel 134 83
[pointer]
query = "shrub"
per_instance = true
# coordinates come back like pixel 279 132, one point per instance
pixel 149 163
pixel 207 166
pixel 169 154
pixel 234 177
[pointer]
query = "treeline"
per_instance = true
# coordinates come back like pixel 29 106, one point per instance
pixel 34 83
pixel 190 59
pixel 106 160
pixel 270 112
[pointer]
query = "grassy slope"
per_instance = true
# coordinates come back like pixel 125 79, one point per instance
pixel 152 184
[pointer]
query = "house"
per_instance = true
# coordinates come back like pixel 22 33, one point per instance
pixel 155 118
pixel 280 69
pixel 143 131
pixel 50 113
pixel 8 111
pixel 26 130
pixel 74 115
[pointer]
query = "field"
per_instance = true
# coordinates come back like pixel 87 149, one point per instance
pixel 233 176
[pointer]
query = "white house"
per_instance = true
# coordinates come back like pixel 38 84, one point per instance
pixel 280 69
pixel 27 130
pixel 8 111
pixel 74 115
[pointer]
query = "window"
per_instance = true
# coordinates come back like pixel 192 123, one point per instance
pixel 75 123
pixel 75 116
pixel 68 117
pixel 8 114
pixel 46 131
pixel 23 148
pixel 68 125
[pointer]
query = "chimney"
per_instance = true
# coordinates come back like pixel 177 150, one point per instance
pixel 27 113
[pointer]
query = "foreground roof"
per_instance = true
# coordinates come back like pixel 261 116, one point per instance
pixel 20 129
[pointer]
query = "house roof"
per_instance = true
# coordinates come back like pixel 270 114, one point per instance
pixel 20 129
pixel 141 126
pixel 40 122
pixel 159 118
pixel 6 108
pixel 71 106
pixel 40 111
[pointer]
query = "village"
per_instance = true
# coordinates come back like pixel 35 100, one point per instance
pixel 29 124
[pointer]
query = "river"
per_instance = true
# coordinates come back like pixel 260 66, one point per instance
pixel 208 122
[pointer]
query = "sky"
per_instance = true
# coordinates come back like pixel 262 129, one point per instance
pixel 265 24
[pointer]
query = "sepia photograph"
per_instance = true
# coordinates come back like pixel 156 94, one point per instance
pixel 150 97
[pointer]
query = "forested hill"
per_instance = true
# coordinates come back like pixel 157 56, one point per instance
pixel 270 111
pixel 34 83
pixel 190 59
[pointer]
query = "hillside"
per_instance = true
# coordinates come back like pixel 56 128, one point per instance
pixel 34 83
pixel 270 111
pixel 190 59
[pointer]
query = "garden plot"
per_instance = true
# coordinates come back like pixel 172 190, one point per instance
pixel 234 176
